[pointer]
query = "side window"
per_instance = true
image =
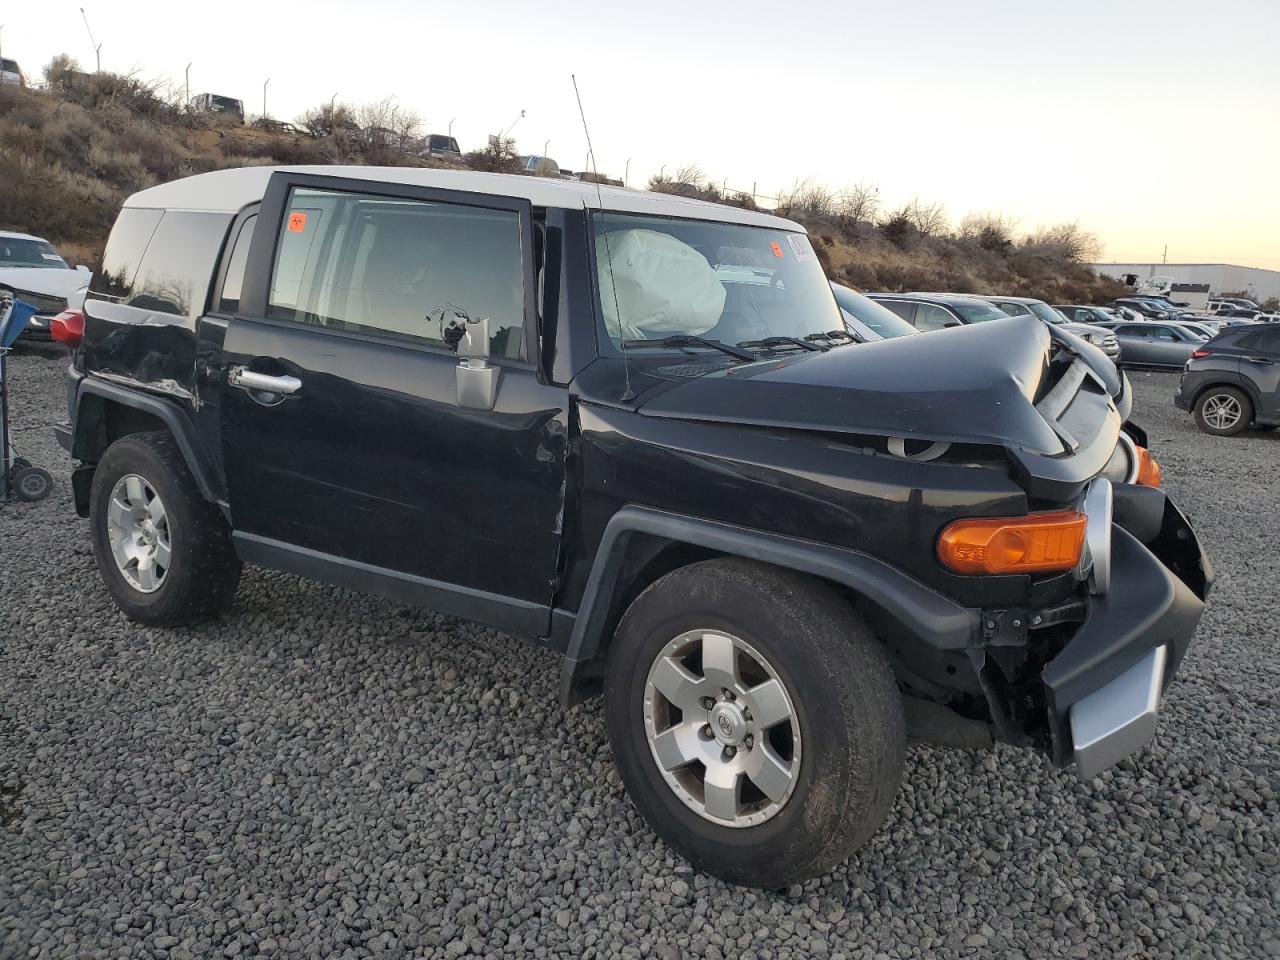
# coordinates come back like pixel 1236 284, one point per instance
pixel 401 268
pixel 904 309
pixel 932 317
pixel 229 301
pixel 178 266
pixel 125 247
pixel 1164 333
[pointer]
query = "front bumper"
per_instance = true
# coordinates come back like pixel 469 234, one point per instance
pixel 1103 690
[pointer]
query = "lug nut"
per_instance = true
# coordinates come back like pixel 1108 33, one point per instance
pixel 748 741
pixel 707 703
pixel 730 752
pixel 706 731
pixel 728 695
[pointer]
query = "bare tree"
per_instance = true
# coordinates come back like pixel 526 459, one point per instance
pixel 929 218
pixel 809 200
pixel 991 231
pixel 329 119
pixel 857 204
pixel 1068 242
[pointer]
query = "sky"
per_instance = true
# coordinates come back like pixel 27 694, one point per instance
pixel 1154 124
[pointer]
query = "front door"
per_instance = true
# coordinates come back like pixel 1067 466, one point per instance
pixel 347 453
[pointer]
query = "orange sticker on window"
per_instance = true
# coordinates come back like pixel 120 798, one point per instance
pixel 298 223
pixel 777 248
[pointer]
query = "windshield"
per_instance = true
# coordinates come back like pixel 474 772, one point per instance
pixel 15 252
pixel 977 312
pixel 880 319
pixel 1046 312
pixel 9 66
pixel 224 103
pixel 661 277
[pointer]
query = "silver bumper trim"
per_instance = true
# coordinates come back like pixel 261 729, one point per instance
pixel 1097 507
pixel 1118 719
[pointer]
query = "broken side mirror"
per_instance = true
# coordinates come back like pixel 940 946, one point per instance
pixel 477 379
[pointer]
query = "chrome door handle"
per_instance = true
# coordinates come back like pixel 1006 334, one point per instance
pixel 1265 361
pixel 247 379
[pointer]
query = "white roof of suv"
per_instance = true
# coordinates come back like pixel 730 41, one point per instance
pixel 227 191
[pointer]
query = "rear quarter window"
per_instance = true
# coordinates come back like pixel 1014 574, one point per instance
pixel 128 242
pixel 178 265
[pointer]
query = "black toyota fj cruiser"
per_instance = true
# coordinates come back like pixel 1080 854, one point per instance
pixel 633 428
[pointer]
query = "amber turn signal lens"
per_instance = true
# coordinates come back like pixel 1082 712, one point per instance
pixel 1036 543
pixel 1149 472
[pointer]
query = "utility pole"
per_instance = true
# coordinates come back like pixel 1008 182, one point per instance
pixel 545 143
pixel 449 132
pixel 626 172
pixel 264 96
pixel 1164 257
pixel 97 47
pixel 187 82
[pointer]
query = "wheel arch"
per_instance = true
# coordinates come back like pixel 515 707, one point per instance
pixel 641 544
pixel 105 412
pixel 1227 379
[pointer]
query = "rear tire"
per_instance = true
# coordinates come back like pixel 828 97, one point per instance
pixel 195 576
pixel 844 753
pixel 1223 411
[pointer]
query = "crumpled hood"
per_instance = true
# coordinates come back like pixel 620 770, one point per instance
pixel 44 280
pixel 976 384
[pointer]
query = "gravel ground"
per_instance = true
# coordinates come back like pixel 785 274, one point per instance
pixel 325 775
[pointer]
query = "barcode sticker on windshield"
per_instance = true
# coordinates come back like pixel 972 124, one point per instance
pixel 51 256
pixel 800 247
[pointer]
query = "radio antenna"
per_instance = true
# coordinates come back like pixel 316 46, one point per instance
pixel 627 393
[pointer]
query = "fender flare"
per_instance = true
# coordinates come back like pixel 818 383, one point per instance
pixel 168 413
pixel 937 620
pixel 1230 378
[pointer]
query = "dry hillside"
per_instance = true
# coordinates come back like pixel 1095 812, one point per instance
pixel 70 153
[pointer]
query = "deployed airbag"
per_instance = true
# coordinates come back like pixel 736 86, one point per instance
pixel 657 286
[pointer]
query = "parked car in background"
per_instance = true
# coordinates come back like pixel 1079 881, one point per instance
pixel 777 559
pixel 1144 307
pixel 1103 339
pixel 540 166
pixel 225 108
pixel 930 311
pixel 1217 304
pixel 1085 313
pixel 1233 381
pixel 11 73
pixel 867 320
pixel 440 146
pixel 1153 343
pixel 1200 328
pixel 31 269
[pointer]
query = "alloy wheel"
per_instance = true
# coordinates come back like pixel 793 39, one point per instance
pixel 139 532
pixel 1221 411
pixel 722 727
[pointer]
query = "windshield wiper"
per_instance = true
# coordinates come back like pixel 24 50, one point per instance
pixel 689 340
pixel 782 342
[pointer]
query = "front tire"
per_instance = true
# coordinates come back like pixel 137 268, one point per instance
pixel 164 551
pixel 754 720
pixel 1223 411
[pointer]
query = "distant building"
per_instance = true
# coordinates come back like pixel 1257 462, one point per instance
pixel 1256 283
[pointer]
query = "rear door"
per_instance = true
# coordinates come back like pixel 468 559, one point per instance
pixel 359 464
pixel 1260 362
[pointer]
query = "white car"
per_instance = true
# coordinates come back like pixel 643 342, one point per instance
pixel 31 269
pixel 11 73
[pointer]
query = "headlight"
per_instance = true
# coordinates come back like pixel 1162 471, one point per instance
pixel 1123 465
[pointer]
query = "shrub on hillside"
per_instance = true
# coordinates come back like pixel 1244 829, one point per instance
pixel 498 157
